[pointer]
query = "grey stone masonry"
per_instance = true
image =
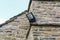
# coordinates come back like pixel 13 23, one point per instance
pixel 44 33
pixel 46 12
pixel 20 27
pixel 15 30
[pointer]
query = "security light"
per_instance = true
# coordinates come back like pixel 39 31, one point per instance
pixel 31 17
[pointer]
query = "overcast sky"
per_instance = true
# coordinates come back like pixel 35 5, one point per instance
pixel 9 8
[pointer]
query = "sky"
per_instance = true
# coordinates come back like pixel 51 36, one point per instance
pixel 10 8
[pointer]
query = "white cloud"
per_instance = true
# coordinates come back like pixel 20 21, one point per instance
pixel 2 20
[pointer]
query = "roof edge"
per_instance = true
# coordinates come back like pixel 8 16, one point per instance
pixel 29 5
pixel 13 18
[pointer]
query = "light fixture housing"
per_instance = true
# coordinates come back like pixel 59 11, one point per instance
pixel 31 17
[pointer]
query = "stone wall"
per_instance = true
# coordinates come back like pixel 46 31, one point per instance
pixel 45 33
pixel 46 12
pixel 15 30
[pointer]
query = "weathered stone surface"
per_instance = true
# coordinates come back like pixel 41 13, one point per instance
pixel 46 12
pixel 15 30
pixel 44 32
